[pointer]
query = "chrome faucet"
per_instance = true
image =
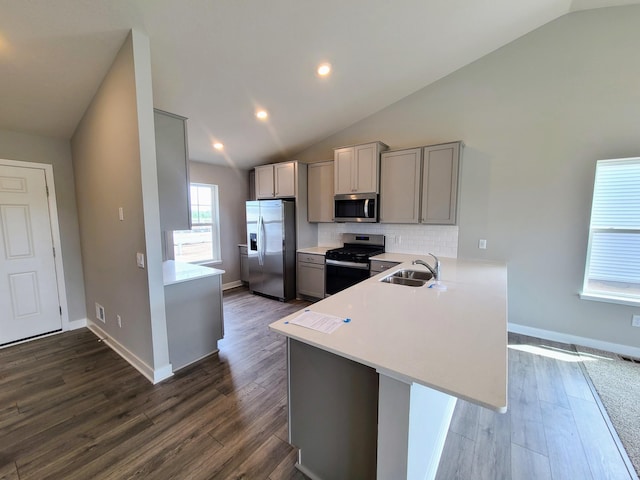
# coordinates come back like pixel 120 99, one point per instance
pixel 435 270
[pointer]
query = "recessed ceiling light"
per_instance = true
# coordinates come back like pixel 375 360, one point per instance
pixel 218 146
pixel 324 69
pixel 262 114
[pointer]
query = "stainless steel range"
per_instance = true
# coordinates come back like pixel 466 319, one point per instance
pixel 349 264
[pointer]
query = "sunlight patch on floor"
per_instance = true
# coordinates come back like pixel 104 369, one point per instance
pixel 556 353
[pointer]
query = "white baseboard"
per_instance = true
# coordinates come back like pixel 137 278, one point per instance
pixel 76 324
pixel 230 285
pixel 153 375
pixel 162 373
pixel 575 340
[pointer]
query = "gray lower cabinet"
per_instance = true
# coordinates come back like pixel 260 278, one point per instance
pixel 194 319
pixel 310 275
pixel 244 264
pixel 378 266
pixel 333 413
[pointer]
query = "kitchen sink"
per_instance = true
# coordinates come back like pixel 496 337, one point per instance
pixel 408 278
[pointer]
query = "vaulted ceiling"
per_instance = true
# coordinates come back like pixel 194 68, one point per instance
pixel 217 61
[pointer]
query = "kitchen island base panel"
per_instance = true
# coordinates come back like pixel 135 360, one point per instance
pixel 194 319
pixel 350 421
pixel 333 408
pixel 413 421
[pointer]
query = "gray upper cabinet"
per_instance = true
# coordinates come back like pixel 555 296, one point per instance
pixel 357 168
pixel 264 182
pixel 285 179
pixel 173 173
pixel 400 186
pixel 420 185
pixel 320 192
pixel 343 168
pixel 441 164
pixel 277 180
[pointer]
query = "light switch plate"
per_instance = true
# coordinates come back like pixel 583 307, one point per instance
pixel 635 320
pixel 482 244
pixel 140 259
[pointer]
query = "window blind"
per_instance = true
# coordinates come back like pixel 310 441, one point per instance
pixel 614 240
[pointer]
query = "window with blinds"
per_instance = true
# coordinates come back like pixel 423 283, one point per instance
pixel 613 256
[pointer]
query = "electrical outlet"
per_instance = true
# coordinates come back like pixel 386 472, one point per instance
pixel 635 320
pixel 119 320
pixel 100 315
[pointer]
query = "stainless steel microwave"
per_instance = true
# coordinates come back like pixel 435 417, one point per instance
pixel 359 207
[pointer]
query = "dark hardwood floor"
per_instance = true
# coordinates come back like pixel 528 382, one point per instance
pixel 70 408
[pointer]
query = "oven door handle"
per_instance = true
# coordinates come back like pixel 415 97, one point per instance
pixel 340 263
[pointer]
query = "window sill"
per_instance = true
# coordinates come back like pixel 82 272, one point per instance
pixel 206 263
pixel 603 297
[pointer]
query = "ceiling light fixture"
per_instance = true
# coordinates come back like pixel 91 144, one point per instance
pixel 324 69
pixel 262 114
pixel 218 146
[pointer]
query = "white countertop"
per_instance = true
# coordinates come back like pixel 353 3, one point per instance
pixel 315 250
pixel 177 272
pixel 454 341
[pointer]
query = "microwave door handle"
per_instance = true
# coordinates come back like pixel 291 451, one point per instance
pixel 366 208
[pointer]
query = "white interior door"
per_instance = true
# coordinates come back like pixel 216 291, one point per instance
pixel 29 303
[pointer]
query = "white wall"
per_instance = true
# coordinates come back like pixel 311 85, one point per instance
pixel 32 148
pixel 233 191
pixel 113 152
pixel 535 115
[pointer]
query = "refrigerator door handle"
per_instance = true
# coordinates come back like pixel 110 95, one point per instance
pixel 263 245
pixel 260 239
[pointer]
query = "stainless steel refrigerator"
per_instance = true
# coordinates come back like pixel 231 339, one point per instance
pixel 271 246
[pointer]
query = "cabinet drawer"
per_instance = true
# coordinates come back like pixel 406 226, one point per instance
pixel 311 258
pixel 378 266
pixel 243 250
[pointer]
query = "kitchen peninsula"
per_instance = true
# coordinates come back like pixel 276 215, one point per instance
pixel 374 399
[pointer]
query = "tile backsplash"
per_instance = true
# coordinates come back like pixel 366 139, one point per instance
pixel 440 240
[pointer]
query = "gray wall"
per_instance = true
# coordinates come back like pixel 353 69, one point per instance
pixel 33 148
pixel 535 116
pixel 233 191
pixel 111 148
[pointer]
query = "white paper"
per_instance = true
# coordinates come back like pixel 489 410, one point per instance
pixel 318 321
